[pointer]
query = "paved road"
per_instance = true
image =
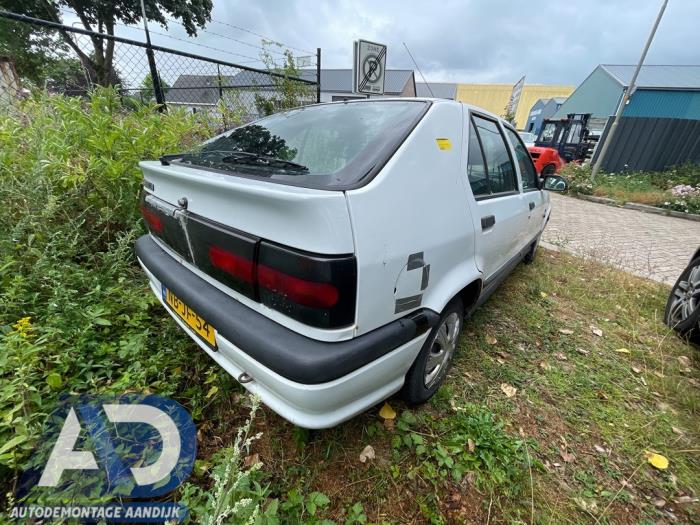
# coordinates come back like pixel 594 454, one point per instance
pixel 652 246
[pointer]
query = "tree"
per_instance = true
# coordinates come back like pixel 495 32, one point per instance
pixel 102 16
pixel 147 92
pixel 30 49
pixel 287 92
pixel 508 114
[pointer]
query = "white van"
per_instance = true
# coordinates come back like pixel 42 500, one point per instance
pixel 327 256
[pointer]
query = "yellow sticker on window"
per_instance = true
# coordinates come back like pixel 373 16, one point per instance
pixel 444 144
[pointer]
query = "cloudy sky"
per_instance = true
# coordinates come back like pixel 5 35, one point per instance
pixel 549 41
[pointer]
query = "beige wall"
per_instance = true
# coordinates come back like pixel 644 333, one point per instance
pixel 495 97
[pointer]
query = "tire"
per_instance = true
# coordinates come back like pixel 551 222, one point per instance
pixel 429 370
pixel 683 306
pixel 549 169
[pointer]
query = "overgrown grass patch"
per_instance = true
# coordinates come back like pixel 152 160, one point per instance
pixel 567 447
pixel 676 189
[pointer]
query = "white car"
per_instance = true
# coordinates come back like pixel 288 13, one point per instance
pixel 327 256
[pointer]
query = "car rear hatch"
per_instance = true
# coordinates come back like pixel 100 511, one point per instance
pixel 261 209
pixel 288 248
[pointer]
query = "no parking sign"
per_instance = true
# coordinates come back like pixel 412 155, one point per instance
pixel 369 67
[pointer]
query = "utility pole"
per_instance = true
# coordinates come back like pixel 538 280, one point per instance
pixel 626 96
pixel 157 88
pixel 318 75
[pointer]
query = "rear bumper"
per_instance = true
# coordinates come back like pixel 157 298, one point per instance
pixel 311 383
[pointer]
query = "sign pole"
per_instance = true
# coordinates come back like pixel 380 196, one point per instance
pixel 626 96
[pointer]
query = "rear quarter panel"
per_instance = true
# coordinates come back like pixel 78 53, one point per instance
pixel 414 214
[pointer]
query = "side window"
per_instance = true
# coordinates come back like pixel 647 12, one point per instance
pixel 527 170
pixel 500 169
pixel 574 134
pixel 476 167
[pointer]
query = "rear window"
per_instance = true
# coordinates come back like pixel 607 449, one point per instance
pixel 330 146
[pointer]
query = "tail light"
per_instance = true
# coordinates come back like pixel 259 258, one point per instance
pixel 162 222
pixel 316 290
pixel 227 255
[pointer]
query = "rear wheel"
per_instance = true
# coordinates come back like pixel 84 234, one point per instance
pixel 549 169
pixel 683 306
pixel 430 367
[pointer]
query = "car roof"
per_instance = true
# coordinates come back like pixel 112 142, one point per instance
pixel 432 100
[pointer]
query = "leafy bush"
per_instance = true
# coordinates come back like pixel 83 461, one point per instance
pixel 75 311
pixel 675 189
pixel 472 440
pixel 579 178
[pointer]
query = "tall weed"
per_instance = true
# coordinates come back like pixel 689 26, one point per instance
pixel 75 311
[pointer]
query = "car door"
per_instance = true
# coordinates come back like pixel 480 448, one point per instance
pixel 532 197
pixel 499 218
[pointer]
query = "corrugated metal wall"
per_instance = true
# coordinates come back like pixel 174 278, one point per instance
pixel 652 144
pixel 664 103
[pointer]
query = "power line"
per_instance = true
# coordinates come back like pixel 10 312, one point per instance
pixel 419 71
pixel 208 31
pixel 227 37
pixel 274 41
pixel 252 59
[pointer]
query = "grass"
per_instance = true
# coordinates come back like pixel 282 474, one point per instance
pixel 567 448
pixel 76 315
pixel 675 189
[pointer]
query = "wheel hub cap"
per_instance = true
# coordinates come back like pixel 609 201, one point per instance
pixel 442 349
pixel 685 296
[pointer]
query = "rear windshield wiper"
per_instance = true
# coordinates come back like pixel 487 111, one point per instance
pixel 255 159
pixel 237 157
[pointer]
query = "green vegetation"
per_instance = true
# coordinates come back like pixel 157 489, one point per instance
pixel 675 189
pixel 37 45
pixel 147 93
pixel 562 381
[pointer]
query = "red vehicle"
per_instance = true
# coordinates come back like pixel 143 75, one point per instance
pixel 561 141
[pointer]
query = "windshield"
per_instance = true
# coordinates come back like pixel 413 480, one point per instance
pixel 527 137
pixel 547 133
pixel 325 146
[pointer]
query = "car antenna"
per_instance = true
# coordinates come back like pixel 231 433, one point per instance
pixel 419 71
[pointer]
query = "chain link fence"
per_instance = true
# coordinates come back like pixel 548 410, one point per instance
pixel 171 78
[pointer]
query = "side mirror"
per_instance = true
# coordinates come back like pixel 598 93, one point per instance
pixel 555 183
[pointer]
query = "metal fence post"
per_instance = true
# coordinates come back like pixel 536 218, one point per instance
pixel 155 78
pixel 221 94
pixel 318 75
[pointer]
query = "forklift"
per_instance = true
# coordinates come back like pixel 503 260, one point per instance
pixel 561 141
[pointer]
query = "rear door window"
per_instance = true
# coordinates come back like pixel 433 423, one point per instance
pixel 527 169
pixel 326 146
pixel 499 166
pixel 476 167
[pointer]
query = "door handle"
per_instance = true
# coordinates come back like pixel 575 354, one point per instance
pixel 532 206
pixel 487 222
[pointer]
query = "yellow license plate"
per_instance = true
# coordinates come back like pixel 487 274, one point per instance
pixel 193 320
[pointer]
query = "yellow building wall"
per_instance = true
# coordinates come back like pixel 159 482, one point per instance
pixel 495 97
pixel 491 97
pixel 532 93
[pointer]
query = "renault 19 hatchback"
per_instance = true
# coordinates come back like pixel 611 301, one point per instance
pixel 327 256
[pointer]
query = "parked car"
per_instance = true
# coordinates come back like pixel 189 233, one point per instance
pixel 683 306
pixel 326 256
pixel 528 138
